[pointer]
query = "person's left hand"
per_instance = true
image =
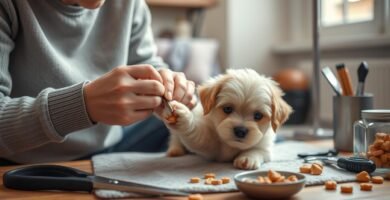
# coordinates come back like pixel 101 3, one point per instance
pixel 178 88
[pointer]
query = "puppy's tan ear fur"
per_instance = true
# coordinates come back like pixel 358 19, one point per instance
pixel 208 92
pixel 280 109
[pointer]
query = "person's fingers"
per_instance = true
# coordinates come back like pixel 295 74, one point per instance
pixel 143 72
pixel 168 81
pixel 146 102
pixel 193 102
pixel 147 87
pixel 189 93
pixel 141 114
pixel 180 86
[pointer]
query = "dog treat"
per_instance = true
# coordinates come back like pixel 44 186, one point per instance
pixel 195 180
pixel 377 179
pixel 209 181
pixel 330 185
pixel 216 182
pixel 292 178
pixel 306 168
pixel 225 180
pixel 365 186
pixel 273 176
pixel 363 177
pixel 195 197
pixel 172 119
pixel 260 179
pixel 316 169
pixel 346 189
pixel 379 150
pixel 381 136
pixel 281 179
pixel 209 175
pixel 267 180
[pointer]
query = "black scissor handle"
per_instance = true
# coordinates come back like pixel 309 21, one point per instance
pixel 355 164
pixel 48 177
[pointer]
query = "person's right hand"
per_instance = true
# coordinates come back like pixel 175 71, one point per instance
pixel 124 95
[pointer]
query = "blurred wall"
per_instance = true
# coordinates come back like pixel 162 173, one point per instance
pixel 246 30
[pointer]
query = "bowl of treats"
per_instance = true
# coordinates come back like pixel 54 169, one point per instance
pixel 269 184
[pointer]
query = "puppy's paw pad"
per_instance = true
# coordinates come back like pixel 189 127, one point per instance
pixel 246 163
pixel 175 152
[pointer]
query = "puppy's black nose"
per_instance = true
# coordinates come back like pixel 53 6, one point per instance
pixel 240 131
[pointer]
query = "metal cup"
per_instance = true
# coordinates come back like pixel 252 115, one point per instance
pixel 347 110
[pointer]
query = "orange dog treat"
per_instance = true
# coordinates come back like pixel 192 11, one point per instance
pixel 281 179
pixel 346 189
pixel 365 186
pixel 209 180
pixel 267 180
pixel 292 178
pixel 377 179
pixel 316 169
pixel 195 180
pixel 330 185
pixel 216 182
pixel 209 175
pixel 273 176
pixel 195 197
pixel 306 168
pixel 386 146
pixel 318 164
pixel 381 136
pixel 172 119
pixel 225 180
pixel 261 179
pixel 363 177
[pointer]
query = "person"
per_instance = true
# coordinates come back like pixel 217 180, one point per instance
pixel 73 73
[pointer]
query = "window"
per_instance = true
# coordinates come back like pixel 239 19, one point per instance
pixel 338 12
pixel 352 19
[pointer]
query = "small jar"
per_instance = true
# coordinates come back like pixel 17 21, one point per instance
pixel 372 137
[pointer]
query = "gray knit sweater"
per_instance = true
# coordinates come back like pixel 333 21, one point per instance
pixel 47 52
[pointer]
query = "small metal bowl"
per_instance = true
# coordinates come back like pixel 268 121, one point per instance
pixel 267 191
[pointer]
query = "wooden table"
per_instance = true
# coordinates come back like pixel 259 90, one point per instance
pixel 381 191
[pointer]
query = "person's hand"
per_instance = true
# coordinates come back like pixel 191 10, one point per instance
pixel 124 95
pixel 178 88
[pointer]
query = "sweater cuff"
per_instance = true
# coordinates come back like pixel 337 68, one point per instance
pixel 67 109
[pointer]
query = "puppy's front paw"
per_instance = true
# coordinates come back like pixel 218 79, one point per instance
pixel 180 117
pixel 246 162
pixel 175 151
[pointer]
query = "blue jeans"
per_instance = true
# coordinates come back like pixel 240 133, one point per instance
pixel 149 135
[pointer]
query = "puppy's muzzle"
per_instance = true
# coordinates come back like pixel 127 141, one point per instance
pixel 240 131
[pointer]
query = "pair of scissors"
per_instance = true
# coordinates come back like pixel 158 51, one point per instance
pixel 330 153
pixel 56 177
pixel 352 164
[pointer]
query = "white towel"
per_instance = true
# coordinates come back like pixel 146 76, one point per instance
pixel 158 170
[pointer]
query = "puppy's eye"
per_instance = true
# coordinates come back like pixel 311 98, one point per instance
pixel 227 109
pixel 258 116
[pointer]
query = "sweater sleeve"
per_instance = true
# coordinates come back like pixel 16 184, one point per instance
pixel 142 46
pixel 28 122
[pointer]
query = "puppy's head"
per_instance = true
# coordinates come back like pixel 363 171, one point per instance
pixel 243 106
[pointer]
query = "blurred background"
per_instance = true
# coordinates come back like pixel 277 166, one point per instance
pixel 205 37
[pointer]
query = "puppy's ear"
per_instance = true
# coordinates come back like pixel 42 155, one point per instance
pixel 280 109
pixel 208 92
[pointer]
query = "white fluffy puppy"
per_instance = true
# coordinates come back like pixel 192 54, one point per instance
pixel 237 119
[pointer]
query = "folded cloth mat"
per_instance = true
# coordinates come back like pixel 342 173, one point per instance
pixel 175 172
